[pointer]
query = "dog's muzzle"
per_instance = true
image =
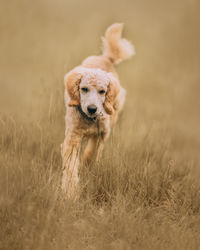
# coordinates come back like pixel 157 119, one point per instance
pixel 92 109
pixel 93 119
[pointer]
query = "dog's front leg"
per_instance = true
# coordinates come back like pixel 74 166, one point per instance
pixel 70 156
pixel 94 148
pixel 100 145
pixel 99 151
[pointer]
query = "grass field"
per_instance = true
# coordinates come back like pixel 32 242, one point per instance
pixel 145 192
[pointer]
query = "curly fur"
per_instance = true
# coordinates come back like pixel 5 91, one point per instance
pixel 97 74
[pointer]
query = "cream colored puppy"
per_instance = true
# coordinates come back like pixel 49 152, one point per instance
pixel 93 99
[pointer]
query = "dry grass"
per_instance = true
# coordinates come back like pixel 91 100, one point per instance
pixel 145 193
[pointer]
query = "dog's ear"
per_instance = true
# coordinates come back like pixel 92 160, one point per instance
pixel 72 81
pixel 111 94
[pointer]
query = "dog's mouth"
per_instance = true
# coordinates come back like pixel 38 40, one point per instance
pixel 90 117
pixel 94 116
pixel 87 116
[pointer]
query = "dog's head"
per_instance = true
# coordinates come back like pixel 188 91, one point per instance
pixel 94 90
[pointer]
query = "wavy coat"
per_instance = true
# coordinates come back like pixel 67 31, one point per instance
pixel 95 71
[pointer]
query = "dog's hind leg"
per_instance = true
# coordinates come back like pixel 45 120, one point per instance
pixel 90 149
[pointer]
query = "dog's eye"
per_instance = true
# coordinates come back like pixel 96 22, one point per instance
pixel 102 92
pixel 85 90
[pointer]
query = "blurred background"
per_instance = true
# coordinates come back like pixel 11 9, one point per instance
pixel 148 178
pixel 42 40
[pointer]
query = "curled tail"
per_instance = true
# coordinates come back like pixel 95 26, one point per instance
pixel 116 48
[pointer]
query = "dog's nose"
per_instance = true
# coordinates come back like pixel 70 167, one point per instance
pixel 92 109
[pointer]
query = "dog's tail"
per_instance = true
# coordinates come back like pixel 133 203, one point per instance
pixel 116 48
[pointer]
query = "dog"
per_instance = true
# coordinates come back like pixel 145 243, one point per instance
pixel 93 99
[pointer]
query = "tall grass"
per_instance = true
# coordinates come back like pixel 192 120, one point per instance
pixel 145 192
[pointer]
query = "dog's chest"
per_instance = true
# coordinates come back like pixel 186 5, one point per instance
pixel 97 127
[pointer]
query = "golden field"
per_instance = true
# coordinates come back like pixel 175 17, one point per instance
pixel 145 192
